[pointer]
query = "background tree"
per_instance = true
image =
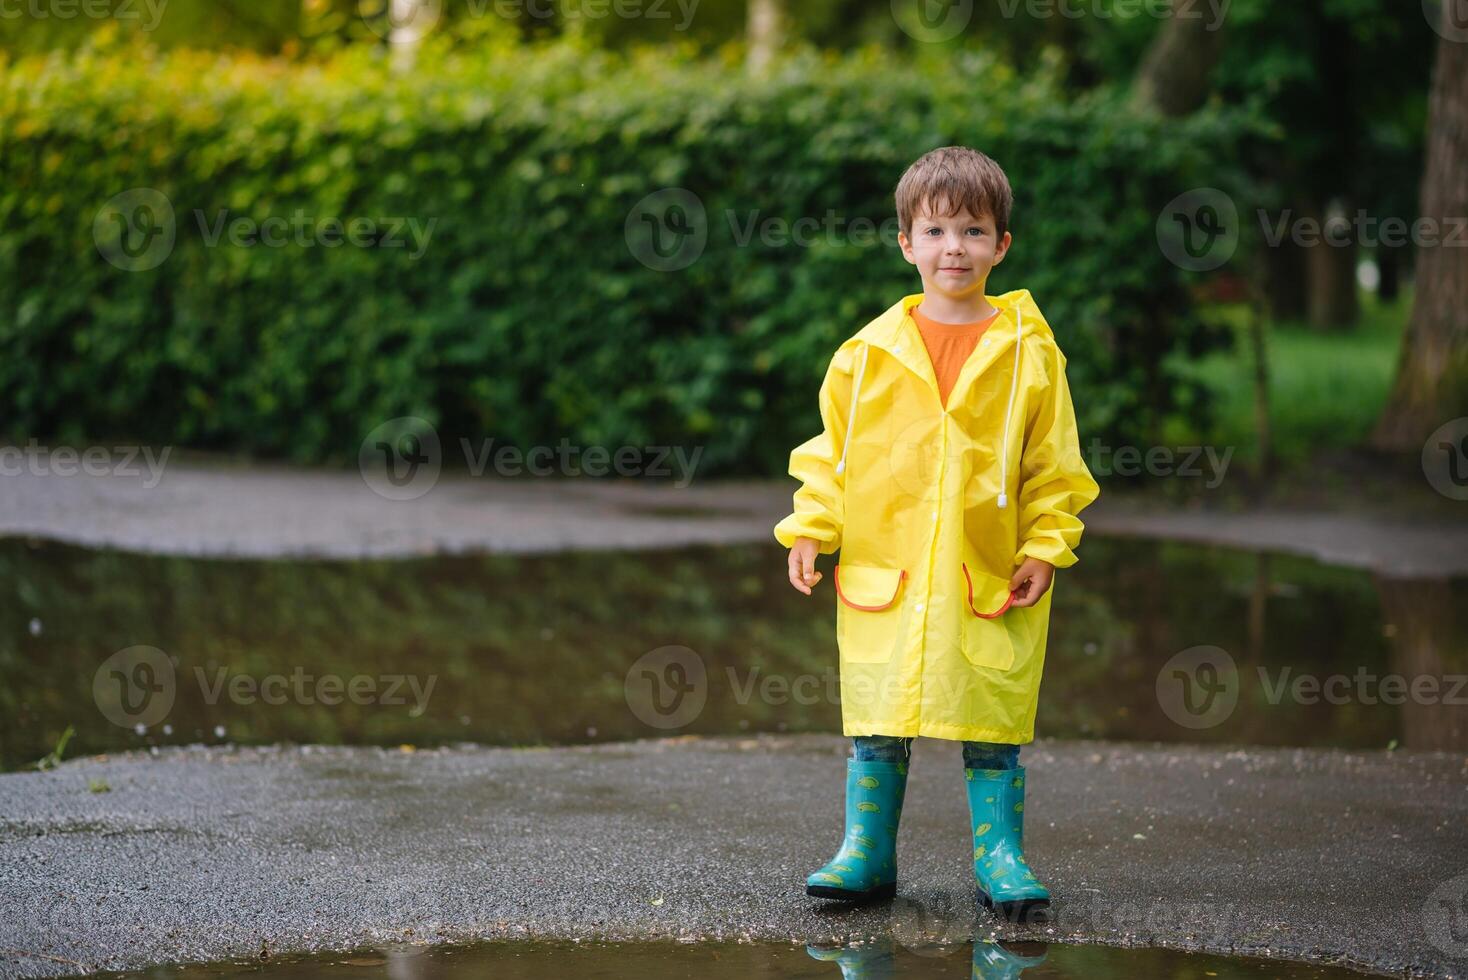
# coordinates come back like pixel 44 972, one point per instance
pixel 1176 74
pixel 1432 373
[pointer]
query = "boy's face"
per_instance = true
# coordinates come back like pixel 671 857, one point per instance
pixel 953 255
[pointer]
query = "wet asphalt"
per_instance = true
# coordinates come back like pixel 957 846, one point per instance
pixel 1353 858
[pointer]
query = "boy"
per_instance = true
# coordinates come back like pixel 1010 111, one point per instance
pixel 949 475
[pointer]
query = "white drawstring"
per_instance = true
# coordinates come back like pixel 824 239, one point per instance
pixel 1019 336
pixel 851 411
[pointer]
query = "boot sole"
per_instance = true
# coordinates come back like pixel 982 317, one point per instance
pixel 1020 910
pixel 846 895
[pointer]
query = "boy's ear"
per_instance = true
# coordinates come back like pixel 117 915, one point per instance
pixel 905 244
pixel 1003 248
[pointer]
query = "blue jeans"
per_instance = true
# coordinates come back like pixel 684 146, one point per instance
pixel 976 755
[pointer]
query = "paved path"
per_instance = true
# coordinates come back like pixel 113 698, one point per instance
pixel 198 854
pixel 268 510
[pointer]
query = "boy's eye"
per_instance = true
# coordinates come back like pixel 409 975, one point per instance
pixel 974 230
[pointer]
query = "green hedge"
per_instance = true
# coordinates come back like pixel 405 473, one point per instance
pixel 528 318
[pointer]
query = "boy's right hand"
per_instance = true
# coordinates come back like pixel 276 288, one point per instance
pixel 803 572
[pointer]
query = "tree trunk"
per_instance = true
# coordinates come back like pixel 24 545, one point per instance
pixel 765 30
pixel 1174 77
pixel 1426 642
pixel 1284 280
pixel 1330 272
pixel 1260 326
pixel 1389 263
pixel 1432 370
pixel 408 21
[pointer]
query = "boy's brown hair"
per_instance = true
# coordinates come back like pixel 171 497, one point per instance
pixel 955 178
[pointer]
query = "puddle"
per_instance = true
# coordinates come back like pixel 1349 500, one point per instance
pixel 879 960
pixel 537 650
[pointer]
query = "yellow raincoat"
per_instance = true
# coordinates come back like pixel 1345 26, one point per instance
pixel 933 509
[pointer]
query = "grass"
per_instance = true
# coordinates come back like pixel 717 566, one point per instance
pixel 52 759
pixel 1326 388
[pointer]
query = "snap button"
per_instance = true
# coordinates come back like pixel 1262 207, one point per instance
pixel 918 607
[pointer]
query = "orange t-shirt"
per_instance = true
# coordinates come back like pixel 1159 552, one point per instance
pixel 949 346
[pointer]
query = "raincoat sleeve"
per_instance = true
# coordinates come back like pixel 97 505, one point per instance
pixel 819 508
pixel 1055 483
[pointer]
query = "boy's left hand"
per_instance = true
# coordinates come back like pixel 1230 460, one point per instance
pixel 1031 581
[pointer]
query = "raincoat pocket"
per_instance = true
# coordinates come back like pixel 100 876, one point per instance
pixel 988 634
pixel 869 618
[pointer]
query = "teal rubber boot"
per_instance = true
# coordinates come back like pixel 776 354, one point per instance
pixel 871 961
pixel 865 868
pixel 996 805
pixel 1004 961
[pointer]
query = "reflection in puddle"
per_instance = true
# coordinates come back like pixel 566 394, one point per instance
pixel 882 959
pixel 546 649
